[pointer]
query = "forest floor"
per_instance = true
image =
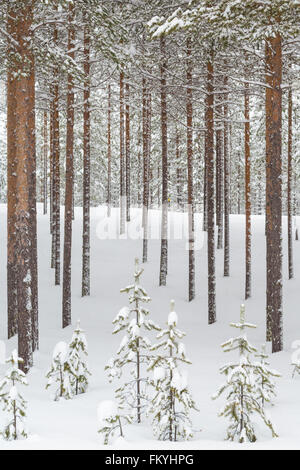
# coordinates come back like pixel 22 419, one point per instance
pixel 73 424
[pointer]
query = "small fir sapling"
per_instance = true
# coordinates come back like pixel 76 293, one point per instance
pixel 78 352
pixel 13 402
pixel 60 374
pixel 241 388
pixel 134 349
pixel 264 378
pixel 172 400
pixel 110 420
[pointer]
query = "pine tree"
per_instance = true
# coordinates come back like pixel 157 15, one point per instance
pixel 134 349
pixel 172 401
pixel 240 385
pixel 264 378
pixel 76 360
pixel 60 374
pixel 13 402
pixel 110 420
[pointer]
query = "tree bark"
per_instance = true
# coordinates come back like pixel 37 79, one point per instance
pixel 67 269
pixel 226 187
pixel 122 159
pixel 165 167
pixel 290 177
pixel 274 190
pixel 127 150
pixel 86 168
pixel 247 195
pixel 189 120
pixel 109 153
pixel 210 192
pixel 45 163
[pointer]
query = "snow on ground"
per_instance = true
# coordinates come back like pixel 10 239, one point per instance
pixel 73 424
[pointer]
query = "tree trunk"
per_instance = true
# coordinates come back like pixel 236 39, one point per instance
pixel 226 187
pixel 86 168
pixel 122 159
pixel 25 163
pixel 165 167
pixel 12 275
pixel 128 155
pixel 45 163
pixel 219 178
pixel 290 176
pixel 274 190
pixel 247 195
pixel 67 269
pixel 146 170
pixel 210 193
pixel 189 121
pixel 109 153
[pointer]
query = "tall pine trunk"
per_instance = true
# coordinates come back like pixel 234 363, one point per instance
pixel 210 192
pixel 67 268
pixel 109 151
pixel 189 123
pixel 86 167
pixel 290 177
pixel 274 190
pixel 127 151
pixel 122 159
pixel 45 164
pixel 247 195
pixel 226 186
pixel 165 167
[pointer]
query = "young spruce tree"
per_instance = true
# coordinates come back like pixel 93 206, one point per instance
pixel 60 374
pixel 78 351
pixel 134 349
pixel 13 402
pixel 241 388
pixel 172 400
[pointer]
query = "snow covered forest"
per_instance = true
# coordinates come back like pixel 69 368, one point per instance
pixel 152 145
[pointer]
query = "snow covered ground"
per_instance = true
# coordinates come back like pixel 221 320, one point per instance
pixel 73 424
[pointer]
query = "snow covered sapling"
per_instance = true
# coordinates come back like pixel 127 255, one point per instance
pixel 77 361
pixel 172 401
pixel 134 349
pixel 264 378
pixel 60 374
pixel 13 402
pixel 110 420
pixel 240 386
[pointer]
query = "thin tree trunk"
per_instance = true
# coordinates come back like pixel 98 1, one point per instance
pixel 165 167
pixel 226 187
pixel 210 191
pixel 128 154
pixel 219 179
pixel 86 168
pixel 189 119
pixel 122 159
pixel 12 278
pixel 274 190
pixel 290 176
pixel 109 153
pixel 45 162
pixel 247 195
pixel 146 170
pixel 67 269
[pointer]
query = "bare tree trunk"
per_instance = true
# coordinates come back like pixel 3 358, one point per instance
pixel 12 277
pixel 146 177
pixel 219 178
pixel 210 191
pixel 189 120
pixel 109 153
pixel 165 167
pixel 247 195
pixel 67 269
pixel 86 167
pixel 290 176
pixel 274 190
pixel 122 159
pixel 45 179
pixel 25 162
pixel 226 187
pixel 128 154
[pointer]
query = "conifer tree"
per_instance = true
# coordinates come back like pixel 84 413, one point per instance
pixel 110 420
pixel 240 386
pixel 265 383
pixel 134 349
pixel 77 361
pixel 13 402
pixel 60 375
pixel 172 400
